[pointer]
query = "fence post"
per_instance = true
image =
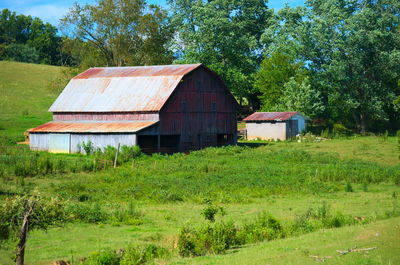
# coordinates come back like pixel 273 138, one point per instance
pixel 116 156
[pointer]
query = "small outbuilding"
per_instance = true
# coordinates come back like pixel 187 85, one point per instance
pixel 166 108
pixel 274 125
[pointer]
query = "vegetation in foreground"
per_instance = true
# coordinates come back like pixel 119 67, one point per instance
pixel 144 203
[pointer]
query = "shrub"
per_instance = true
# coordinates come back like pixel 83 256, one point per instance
pixel 88 147
pixel 90 213
pixel 129 152
pixel 265 227
pixel 210 211
pixel 349 187
pixel 136 255
pixel 103 257
pixel 109 152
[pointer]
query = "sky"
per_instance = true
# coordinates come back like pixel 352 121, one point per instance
pixel 52 10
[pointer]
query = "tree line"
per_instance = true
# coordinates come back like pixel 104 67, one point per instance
pixel 336 61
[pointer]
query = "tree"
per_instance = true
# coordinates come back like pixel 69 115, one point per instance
pixel 352 49
pixel 274 73
pixel 118 32
pixel 224 35
pixel 21 214
pixel 300 96
pixel 30 39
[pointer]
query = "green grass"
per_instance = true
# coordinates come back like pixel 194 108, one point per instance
pixel 24 97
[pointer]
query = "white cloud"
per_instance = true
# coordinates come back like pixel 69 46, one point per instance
pixel 48 13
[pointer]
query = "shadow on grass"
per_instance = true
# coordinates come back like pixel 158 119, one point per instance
pixel 253 145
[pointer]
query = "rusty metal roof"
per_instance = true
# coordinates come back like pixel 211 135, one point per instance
pixel 118 89
pixel 271 116
pixel 92 127
pixel 131 71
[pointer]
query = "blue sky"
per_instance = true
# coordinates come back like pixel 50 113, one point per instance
pixel 52 10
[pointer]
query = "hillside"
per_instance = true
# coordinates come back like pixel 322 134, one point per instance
pixel 24 96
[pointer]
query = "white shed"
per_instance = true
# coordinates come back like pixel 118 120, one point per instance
pixel 274 125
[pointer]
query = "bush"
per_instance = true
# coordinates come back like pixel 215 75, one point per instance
pixel 210 238
pixel 135 255
pixel 211 210
pixel 90 213
pixel 21 53
pixel 88 147
pixel 129 152
pixel 265 227
pixel 103 257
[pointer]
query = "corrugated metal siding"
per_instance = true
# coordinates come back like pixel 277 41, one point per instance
pixel 59 142
pixel 39 141
pixel 116 94
pixel 102 140
pixel 111 116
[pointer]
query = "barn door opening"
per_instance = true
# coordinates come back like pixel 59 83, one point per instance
pixel 169 143
pixel 148 143
pixel 224 139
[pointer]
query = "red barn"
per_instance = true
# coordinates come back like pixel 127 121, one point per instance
pixel 160 108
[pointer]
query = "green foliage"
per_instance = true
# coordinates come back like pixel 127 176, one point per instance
pixel 129 152
pixel 88 213
pixel 136 255
pixel 103 257
pixel 21 53
pixel 275 71
pixel 225 36
pixel 264 227
pixel 27 39
pixel 88 147
pixel 211 210
pixel 210 238
pixel 46 212
pixel 350 48
pixel 116 33
pixel 349 187
pixel 133 255
pixel 300 96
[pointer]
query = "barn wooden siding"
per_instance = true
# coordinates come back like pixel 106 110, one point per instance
pixel 199 110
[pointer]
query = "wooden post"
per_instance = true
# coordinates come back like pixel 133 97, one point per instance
pixel 133 163
pixel 116 156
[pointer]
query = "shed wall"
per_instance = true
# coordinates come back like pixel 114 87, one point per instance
pixel 102 140
pixel 266 130
pixel 301 122
pixel 39 141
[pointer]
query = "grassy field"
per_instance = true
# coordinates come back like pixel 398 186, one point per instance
pixel 354 178
pixel 24 96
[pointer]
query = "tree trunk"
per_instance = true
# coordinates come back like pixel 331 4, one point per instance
pixel 363 123
pixel 20 255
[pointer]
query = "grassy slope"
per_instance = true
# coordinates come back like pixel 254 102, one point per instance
pixel 23 89
pixel 384 235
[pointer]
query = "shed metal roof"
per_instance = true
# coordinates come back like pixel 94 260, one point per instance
pixel 271 116
pixel 92 127
pixel 121 89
